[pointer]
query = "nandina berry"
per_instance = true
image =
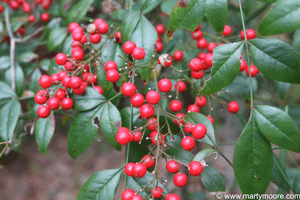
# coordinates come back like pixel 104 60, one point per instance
pixel 175 105
pixel 178 55
pixel 14 5
pixel 165 85
pixel 43 111
pixel 201 101
pixel 254 70
pixel 250 34
pixel 62 75
pixel 128 89
pixel 75 82
pixel 146 111
pixel 128 194
pixel 180 179
pixel 136 197
pixel 66 82
pixel 72 26
pixel 172 166
pixel 41 97
pixel 208 59
pixel 160 29
pixel 159 47
pixel 195 64
pixel 76 44
pixel 31 18
pixel 193 108
pixel 77 53
pixel 197 35
pixel 227 30
pixel 180 86
pixel 80 90
pixel 45 17
pixel 157 192
pixel 1 8
pixel 197 75
pixel 139 170
pixel 21 30
pixel 211 46
pixel 188 143
pixel 118 37
pixel 138 53
pixel 233 107
pixel 26 7
pixel 199 131
pixel 128 47
pixel 244 65
pixel 202 43
pixel 99 89
pixel 160 137
pixel 152 97
pixel 77 35
pixel 90 78
pixel 84 39
pixel 95 38
pixel 148 161
pixel 201 55
pixel 172 196
pixel 205 67
pixel 69 67
pixel 128 169
pixel 101 26
pixel 152 124
pixel 60 94
pixel 165 60
pixel 199 27
pixel 179 119
pixel 137 100
pixel 188 127
pixel 53 103
pixel 138 136
pixel 195 168
pixel 123 136
pixel 45 81
pixel 211 119
pixel 112 75
pixel 67 103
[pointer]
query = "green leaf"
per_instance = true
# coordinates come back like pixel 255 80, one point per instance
pixel 185 14
pixel 78 11
pixel 201 155
pixel 9 115
pixel 167 6
pixel 101 185
pixel 56 37
pixel 102 81
pixel 120 14
pixel 148 5
pixel 110 51
pixel 110 122
pixel 216 13
pixel 44 130
pixel 241 87
pixel 278 127
pixel 19 77
pixel 128 26
pixel 5 62
pixel 275 59
pixel 82 132
pixel 89 100
pixel 253 159
pixel 34 84
pixel 125 114
pixel 212 180
pixel 27 57
pixel 45 64
pixel 67 48
pixel 6 91
pixel 226 66
pixel 268 1
pixel 197 118
pixel 296 40
pixel 17 22
pixel 282 19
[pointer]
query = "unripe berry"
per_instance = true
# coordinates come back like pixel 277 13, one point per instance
pixel 67 103
pixel 233 107
pixel 199 131
pixel 152 97
pixel 188 143
pixel 172 166
pixel 180 179
pixel 195 168
pixel 165 85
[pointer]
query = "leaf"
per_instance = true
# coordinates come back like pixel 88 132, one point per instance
pixel 110 51
pixel 282 19
pixel 35 76
pixel 67 47
pixel 89 100
pixel 79 10
pixel 5 62
pixel 212 180
pixel 110 122
pixel 9 115
pixel 296 40
pixel 197 118
pixel 167 6
pixel 56 37
pixel 268 1
pixel 240 86
pixel 275 59
pixel 82 132
pixel 253 159
pixel 101 185
pixel 45 64
pixel 125 115
pixel 128 26
pixel 185 14
pixel 226 66
pixel 19 77
pixel 278 127
pixel 201 155
pixel 44 130
pixel 216 13
pixel 6 91
pixel 27 57
pixel 148 5
pixel 102 81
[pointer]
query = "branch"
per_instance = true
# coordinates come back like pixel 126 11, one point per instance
pixel 31 35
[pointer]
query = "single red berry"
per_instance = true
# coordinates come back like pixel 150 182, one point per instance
pixel 211 46
pixel 128 89
pixel 195 168
pixel 160 137
pixel 60 94
pixel 123 136
pixel 138 53
pixel 128 169
pixel 172 166
pixel 148 161
pixel 197 35
pixel 80 90
pixel 43 112
pixel 131 137
pixel 188 127
pixel 90 78
pixel 69 67
pixel 250 33
pixel 180 179
pixel 118 37
pixel 165 60
pixel 152 97
pixel 199 131
pixel 188 143
pixel 146 111
pixel 102 27
pixel 138 136
pixel 31 18
pixel 160 29
pixel 165 85
pixel 193 108
pixel 211 119
pixel 201 101
pixel 21 30
pixel 66 82
pixel 26 7
pixel 1 8
pixel 195 64
pixel 62 75
pixel 202 43
pixel 244 65
pixel 152 124
pixel 77 53
pixel 55 79
pixel 159 47
pixel 175 105
pixel 254 71
pixel 172 196
pixel 41 97
pixel 136 197
pixel 201 55
pixel 14 5
pixel 179 119
pixel 128 47
pixel 45 17
pixel 45 81
pixel 95 38
pixel 208 59
pixel 233 107
pixel 227 30
pixel 53 103
pixel 67 103
pixel 180 86
pixel 83 39
pixel 157 192
pixel 75 82
pixel 128 194
pixel 137 100
pixel 139 170
pixel 112 75
pixel 178 55
pixel 197 75
pixel 205 67
pixel 76 44
pixel 72 26
pixel 77 35
pixel 99 89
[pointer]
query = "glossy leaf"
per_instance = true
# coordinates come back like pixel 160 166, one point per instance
pixel 216 12
pixel 278 127
pixel 197 118
pixel 35 76
pixel 67 48
pixel 56 37
pixel 128 26
pixel 296 40
pixel 148 5
pixel 226 66
pixel 253 159
pixel 282 19
pixel 275 59
pixel 19 77
pixel 27 57
pixel 125 114
pixel 212 180
pixel 102 81
pixel 268 1
pixel 101 185
pixel 240 86
pixel 5 62
pixel 6 91
pixel 44 130
pixel 201 155
pixel 9 115
pixel 110 51
pixel 185 14
pixel 110 122
pixel 167 6
pixel 78 10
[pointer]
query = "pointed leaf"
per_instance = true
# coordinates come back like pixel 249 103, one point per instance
pixel 5 62
pixel 19 77
pixel 128 26
pixel 125 114
pixel 110 51
pixel 216 12
pixel 27 57
pixel 78 10
pixel 56 37
pixel 6 91
pixel 201 155
pixel 212 180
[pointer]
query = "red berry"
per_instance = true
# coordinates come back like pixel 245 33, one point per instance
pixel 75 82
pixel 128 89
pixel 157 192
pixel 138 53
pixel 208 59
pixel 1 8
pixel 53 103
pixel 26 7
pixel 138 136
pixel 250 33
pixel 31 18
pixel 148 161
pixel 175 105
pixel 41 97
pixel 211 119
pixel 90 78
pixel 14 5
pixel 67 103
pixel 80 90
pixel 60 94
pixel 178 55
pixel 160 29
pixel 139 170
pixel 202 43
pixel 165 85
pixel 69 67
pixel 188 143
pixel 172 166
pixel 172 196
pixel 244 65
pixel 199 27
pixel 45 81
pixel 137 100
pixel 62 75
pixel 197 35
pixel 159 47
pixel 195 64
pixel 112 75
pixel 197 75
pixel 201 56
pixel 128 47
pixel 43 112
pixel 180 86
pixel 199 131
pixel 152 124
pixel 195 168
pixel 128 169
pixel 188 127
pixel 254 71
pixel 99 89
pixel 77 53
pixel 233 107
pixel 193 108
pixel 77 35
pixel 179 119
pixel 45 17
pixel 118 37
pixel 201 101
pixel 95 38
pixel 72 26
pixel 83 39
pixel 227 30
pixel 128 194
pixel 146 111
pixel 165 60
pixel 101 26
pixel 180 179
pixel 123 136
pixel 152 97
pixel 136 197
pixel 76 44
pixel 55 79
pixel 155 134
pixel 211 46
pixel 66 82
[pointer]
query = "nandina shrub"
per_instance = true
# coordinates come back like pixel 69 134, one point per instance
pixel 152 86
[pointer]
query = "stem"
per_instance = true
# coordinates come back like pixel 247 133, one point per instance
pixel 130 6
pixel 4 149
